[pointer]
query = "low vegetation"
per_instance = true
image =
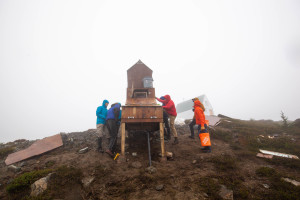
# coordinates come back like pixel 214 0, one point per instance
pixel 22 183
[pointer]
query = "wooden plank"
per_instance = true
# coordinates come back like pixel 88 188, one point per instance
pixel 123 139
pixel 162 141
pixel 37 148
pixel 142 112
pixel 142 120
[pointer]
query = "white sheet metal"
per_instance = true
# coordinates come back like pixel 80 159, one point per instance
pixel 279 154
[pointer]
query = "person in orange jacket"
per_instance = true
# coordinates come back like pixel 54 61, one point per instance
pixel 200 121
pixel 193 122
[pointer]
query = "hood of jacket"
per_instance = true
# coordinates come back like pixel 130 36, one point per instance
pixel 197 103
pixel 104 102
pixel 168 98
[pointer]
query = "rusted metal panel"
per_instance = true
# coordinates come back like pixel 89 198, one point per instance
pixel 133 100
pixel 37 148
pixel 136 73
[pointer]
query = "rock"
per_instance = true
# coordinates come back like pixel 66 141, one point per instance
pixel 266 186
pixel 151 170
pixel 37 162
pixel 205 195
pixel 39 186
pixel 87 181
pixel 9 181
pixel 84 150
pixel 159 187
pixel 136 165
pixel 226 193
pixel 22 164
pixel 14 168
pixel 194 161
pixel 134 154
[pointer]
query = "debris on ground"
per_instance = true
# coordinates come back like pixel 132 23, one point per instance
pixel 279 154
pixel 261 155
pixel 87 181
pixel 296 183
pixel 266 186
pixel 37 148
pixel 134 154
pixel 84 150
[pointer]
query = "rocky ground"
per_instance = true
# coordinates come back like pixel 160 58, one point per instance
pixel 231 171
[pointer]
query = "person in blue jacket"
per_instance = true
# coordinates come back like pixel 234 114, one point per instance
pixel 112 122
pixel 101 114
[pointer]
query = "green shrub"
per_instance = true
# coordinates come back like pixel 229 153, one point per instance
pixel 5 151
pixel 224 163
pixel 24 181
pixel 265 172
pixel 285 162
pixel 210 187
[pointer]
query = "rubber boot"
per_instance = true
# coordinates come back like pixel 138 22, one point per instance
pixel 99 142
pixel 175 141
pixel 109 153
pixel 168 136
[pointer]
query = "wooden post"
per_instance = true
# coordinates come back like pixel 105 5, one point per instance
pixel 123 139
pixel 162 142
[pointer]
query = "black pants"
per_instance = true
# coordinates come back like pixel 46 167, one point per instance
pixel 113 132
pixel 204 130
pixel 167 126
pixel 191 125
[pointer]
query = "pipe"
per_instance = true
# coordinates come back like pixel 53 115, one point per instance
pixel 149 153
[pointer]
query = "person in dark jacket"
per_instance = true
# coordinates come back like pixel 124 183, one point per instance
pixel 167 132
pixel 171 110
pixel 101 131
pixel 112 120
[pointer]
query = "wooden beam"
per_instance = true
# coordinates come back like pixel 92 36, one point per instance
pixel 162 142
pixel 123 139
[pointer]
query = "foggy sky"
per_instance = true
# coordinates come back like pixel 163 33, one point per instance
pixel 60 59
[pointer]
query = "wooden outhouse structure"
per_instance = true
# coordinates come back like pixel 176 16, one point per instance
pixel 141 113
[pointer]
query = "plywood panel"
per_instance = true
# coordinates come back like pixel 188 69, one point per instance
pixel 37 148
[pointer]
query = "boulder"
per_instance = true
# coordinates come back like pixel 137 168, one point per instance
pixel 226 193
pixel 136 165
pixel 39 186
pixel 159 187
pixel 14 168
pixel 151 170
pixel 87 181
